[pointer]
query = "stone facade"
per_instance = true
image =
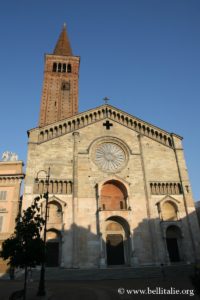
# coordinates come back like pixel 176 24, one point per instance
pixel 11 176
pixel 119 191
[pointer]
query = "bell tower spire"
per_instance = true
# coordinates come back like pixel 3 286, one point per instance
pixel 60 85
pixel 63 45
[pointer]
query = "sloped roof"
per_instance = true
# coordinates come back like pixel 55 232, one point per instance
pixel 63 45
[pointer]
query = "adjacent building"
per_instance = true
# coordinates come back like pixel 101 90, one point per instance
pixel 11 176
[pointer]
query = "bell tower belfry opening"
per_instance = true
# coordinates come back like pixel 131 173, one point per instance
pixel 60 86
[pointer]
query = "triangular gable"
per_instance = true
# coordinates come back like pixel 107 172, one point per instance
pixel 103 112
pixel 54 198
pixel 168 198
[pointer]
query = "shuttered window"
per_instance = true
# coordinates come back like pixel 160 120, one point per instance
pixel 3 195
pixel 1 223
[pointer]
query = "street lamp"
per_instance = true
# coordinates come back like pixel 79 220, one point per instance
pixel 41 288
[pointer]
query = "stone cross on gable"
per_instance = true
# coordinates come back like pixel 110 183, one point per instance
pixel 106 99
pixel 107 124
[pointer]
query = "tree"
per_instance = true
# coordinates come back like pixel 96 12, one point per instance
pixel 25 248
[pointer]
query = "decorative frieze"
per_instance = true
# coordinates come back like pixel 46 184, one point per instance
pixel 11 179
pixel 165 188
pixel 55 186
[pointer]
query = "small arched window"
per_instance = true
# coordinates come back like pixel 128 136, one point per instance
pixel 69 68
pixel 54 67
pixel 170 142
pixel 41 187
pixel 64 68
pixel 59 67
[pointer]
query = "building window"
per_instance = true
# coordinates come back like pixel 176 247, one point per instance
pixel 59 67
pixel 69 68
pixel 54 67
pixel 1 223
pixel 3 195
pixel 64 68
pixel 65 86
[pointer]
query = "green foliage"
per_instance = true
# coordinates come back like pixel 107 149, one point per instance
pixel 25 248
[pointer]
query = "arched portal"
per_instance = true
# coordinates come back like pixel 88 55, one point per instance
pixel 113 196
pixel 173 240
pixel 117 241
pixel 53 248
pixel 54 213
pixel 169 211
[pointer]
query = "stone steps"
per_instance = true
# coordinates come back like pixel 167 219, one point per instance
pixel 100 274
pixel 112 273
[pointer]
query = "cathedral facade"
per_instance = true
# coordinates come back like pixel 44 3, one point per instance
pixel 119 192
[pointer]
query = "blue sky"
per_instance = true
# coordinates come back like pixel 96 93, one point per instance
pixel 143 54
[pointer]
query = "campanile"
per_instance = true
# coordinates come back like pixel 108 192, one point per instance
pixel 60 86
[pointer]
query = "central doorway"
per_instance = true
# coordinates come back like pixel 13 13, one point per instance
pixel 173 240
pixel 117 241
pixel 52 254
pixel 172 247
pixel 53 248
pixel 115 249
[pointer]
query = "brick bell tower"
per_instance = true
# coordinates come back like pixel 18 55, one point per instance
pixel 60 86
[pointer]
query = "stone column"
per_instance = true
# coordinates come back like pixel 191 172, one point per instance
pixel 134 258
pixel 150 221
pixel 187 197
pixel 102 250
pixel 102 263
pixel 75 247
pixel 62 238
pixel 164 238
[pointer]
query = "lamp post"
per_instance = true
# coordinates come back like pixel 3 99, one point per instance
pixel 41 288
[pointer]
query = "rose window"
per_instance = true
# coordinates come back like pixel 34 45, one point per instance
pixel 110 157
